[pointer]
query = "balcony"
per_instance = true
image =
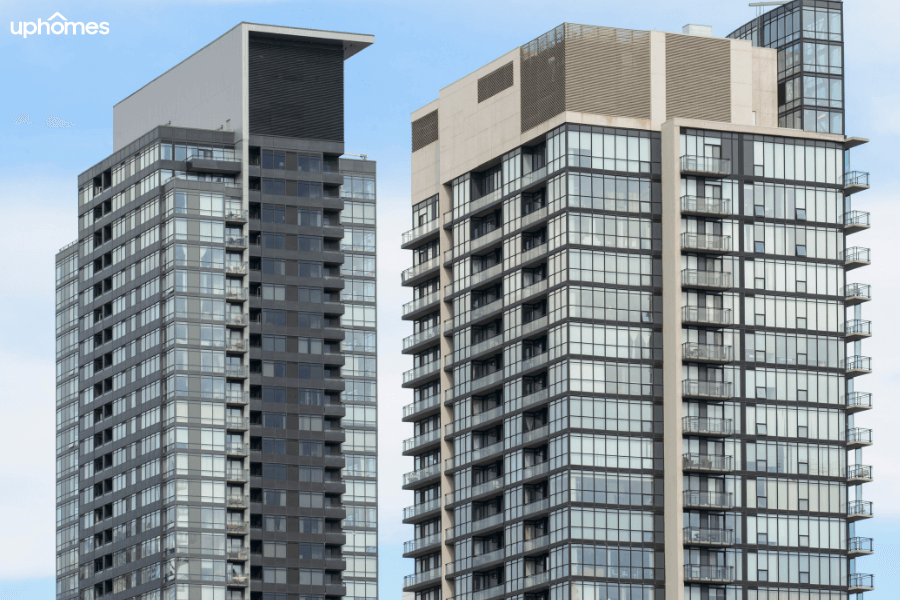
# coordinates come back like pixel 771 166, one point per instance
pixel 420 270
pixel 706 280
pixel 706 426
pixel 485 310
pixel 237 579
pixel 855 181
pixel 535 397
pixel 706 390
pixel 237 475
pixel 858 437
pixel 487 380
pixel 235 294
pixel 857 474
pixel 480 560
pixel 421 337
pixel 536 579
pixel 486 594
pixel 536 506
pixel 419 234
pixel 855 221
pixel 705 207
pixel 859 509
pixel 535 434
pixel 421 305
pixel 857 293
pixel 420 373
pixel 421 578
pixel 419 475
pixel 708 500
pixel 698 536
pixel 237 501
pixel 236 449
pixel 858 402
pixel 705 167
pixel 486 451
pixel 236 527
pixel 484 275
pixel 237 371
pixel 417 510
pixel 242 398
pixel 711 353
pixel 237 345
pixel 536 543
pixel 416 408
pixel 860 546
pixel 707 316
pixel 707 463
pixel 416 443
pixel 486 239
pixel 486 487
pixel 236 320
pixel 857 329
pixel 855 257
pixel 861 582
pixel 240 555
pixel 858 365
pixel 236 268
pixel 419 544
pixel 699 242
pixel 235 242
pixel 708 574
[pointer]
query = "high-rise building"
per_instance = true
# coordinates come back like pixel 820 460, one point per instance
pixel 634 371
pixel 216 337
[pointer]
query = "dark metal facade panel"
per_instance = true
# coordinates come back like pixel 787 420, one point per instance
pixel 424 130
pixel 607 71
pixel 296 89
pixel 698 78
pixel 542 73
pixel 495 82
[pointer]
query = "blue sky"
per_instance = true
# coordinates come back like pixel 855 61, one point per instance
pixel 419 48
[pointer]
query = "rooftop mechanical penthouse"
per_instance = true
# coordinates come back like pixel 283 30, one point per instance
pixel 637 330
pixel 216 337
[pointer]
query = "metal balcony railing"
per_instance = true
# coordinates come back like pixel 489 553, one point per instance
pixel 719 317
pixel 707 426
pixel 711 390
pixel 860 545
pixel 708 573
pixel 236 527
pixel 708 242
pixel 856 256
pixel 237 501
pixel 859 436
pixel 861 582
pixel 236 294
pixel 698 278
pixel 860 473
pixel 708 500
pixel 858 292
pixel 705 206
pixel 861 364
pixel 856 178
pixel 856 219
pixel 236 371
pixel 859 509
pixel 693 351
pixel 708 537
pixel 858 328
pixel 703 165
pixel 707 462
pixel 857 401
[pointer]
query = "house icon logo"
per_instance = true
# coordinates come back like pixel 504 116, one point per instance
pixel 58 25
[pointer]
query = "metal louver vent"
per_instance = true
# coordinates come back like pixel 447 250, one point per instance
pixel 542 74
pixel 495 82
pixel 698 78
pixel 424 130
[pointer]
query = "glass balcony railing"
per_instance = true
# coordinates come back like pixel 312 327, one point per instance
pixel 236 268
pixel 857 401
pixel 708 500
pixel 703 165
pixel 424 404
pixel 237 501
pixel 423 371
pixel 417 338
pixel 488 557
pixel 856 178
pixel 707 426
pixel 708 537
pixel 420 303
pixel 705 242
pixel 420 440
pixel 697 278
pixel 859 509
pixel 859 436
pixel 238 371
pixel 237 345
pixel 860 582
pixel 486 451
pixel 420 231
pixel 856 256
pixel 488 593
pixel 708 573
pixel 423 577
pixel 707 462
pixel 717 317
pixel 237 449
pixel 858 292
pixel 705 206
pixel 237 397
pixel 422 542
pixel 421 474
pixel 858 329
pixel 709 390
pixel 233 294
pixel 536 579
pixel 419 509
pixel 236 216
pixel 236 527
pixel 237 474
pixel 235 242
pixel 856 220
pixel 858 365
pixel 859 473
pixel 860 546
pixel 695 352
pixel 237 579
pixel 486 274
pixel 487 486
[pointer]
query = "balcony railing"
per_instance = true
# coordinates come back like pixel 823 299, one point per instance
pixel 487 380
pixel 858 329
pixel 707 462
pixel 856 256
pixel 697 278
pixel 708 500
pixel 488 557
pixel 719 317
pixel 859 436
pixel 419 440
pixel 487 486
pixel 858 292
pixel 421 474
pixel 237 345
pixel 418 578
pixel 235 242
pixel 418 509
pixel 419 303
pixel 486 309
pixel 710 390
pixel 704 165
pixel 856 220
pixel 425 404
pixel 705 206
pixel 422 542
pixel 858 365
pixel 859 473
pixel 534 471
pixel 236 294
pixel 486 274
pixel 860 546
pixel 237 449
pixel 708 573
pixel 420 231
pixel 236 319
pixel 417 338
pixel 237 397
pixel 236 216
pixel 424 370
pixel 236 371
pixel 236 268
pixel 241 554
pixel 415 271
pixel 486 594
pixel 487 451
pixel 856 178
pixel 859 509
pixel 536 579
pixel 237 501
pixel 236 474
pixel 860 582
pixel 708 537
pixel 236 527
pixel 699 242
pixel 707 426
pixel 237 579
pixel 693 351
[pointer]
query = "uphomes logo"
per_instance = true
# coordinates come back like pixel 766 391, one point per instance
pixel 60 26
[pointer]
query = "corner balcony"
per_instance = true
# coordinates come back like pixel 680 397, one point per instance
pixel 698 536
pixel 422 233
pixel 418 409
pixel 709 353
pixel 858 402
pixel 858 437
pixel 705 426
pixel 861 582
pixel 418 511
pixel 855 181
pixel 855 257
pixel 705 167
pixel 419 442
pixel 419 271
pixel 859 546
pixel 422 543
pixel 705 207
pixel 706 316
pixel 856 221
pixel 706 390
pixel 858 365
pixel 415 478
pixel 857 329
pixel 708 500
pixel 705 242
pixel 419 375
pixel 706 280
pixel 857 474
pixel 707 463
pixel 708 574
pixel 857 293
pixel 416 580
pixel 420 306
pixel 858 510
pixel 417 340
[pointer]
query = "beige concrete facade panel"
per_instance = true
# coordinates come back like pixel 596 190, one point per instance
pixel 657 79
pixel 741 82
pixel 765 86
